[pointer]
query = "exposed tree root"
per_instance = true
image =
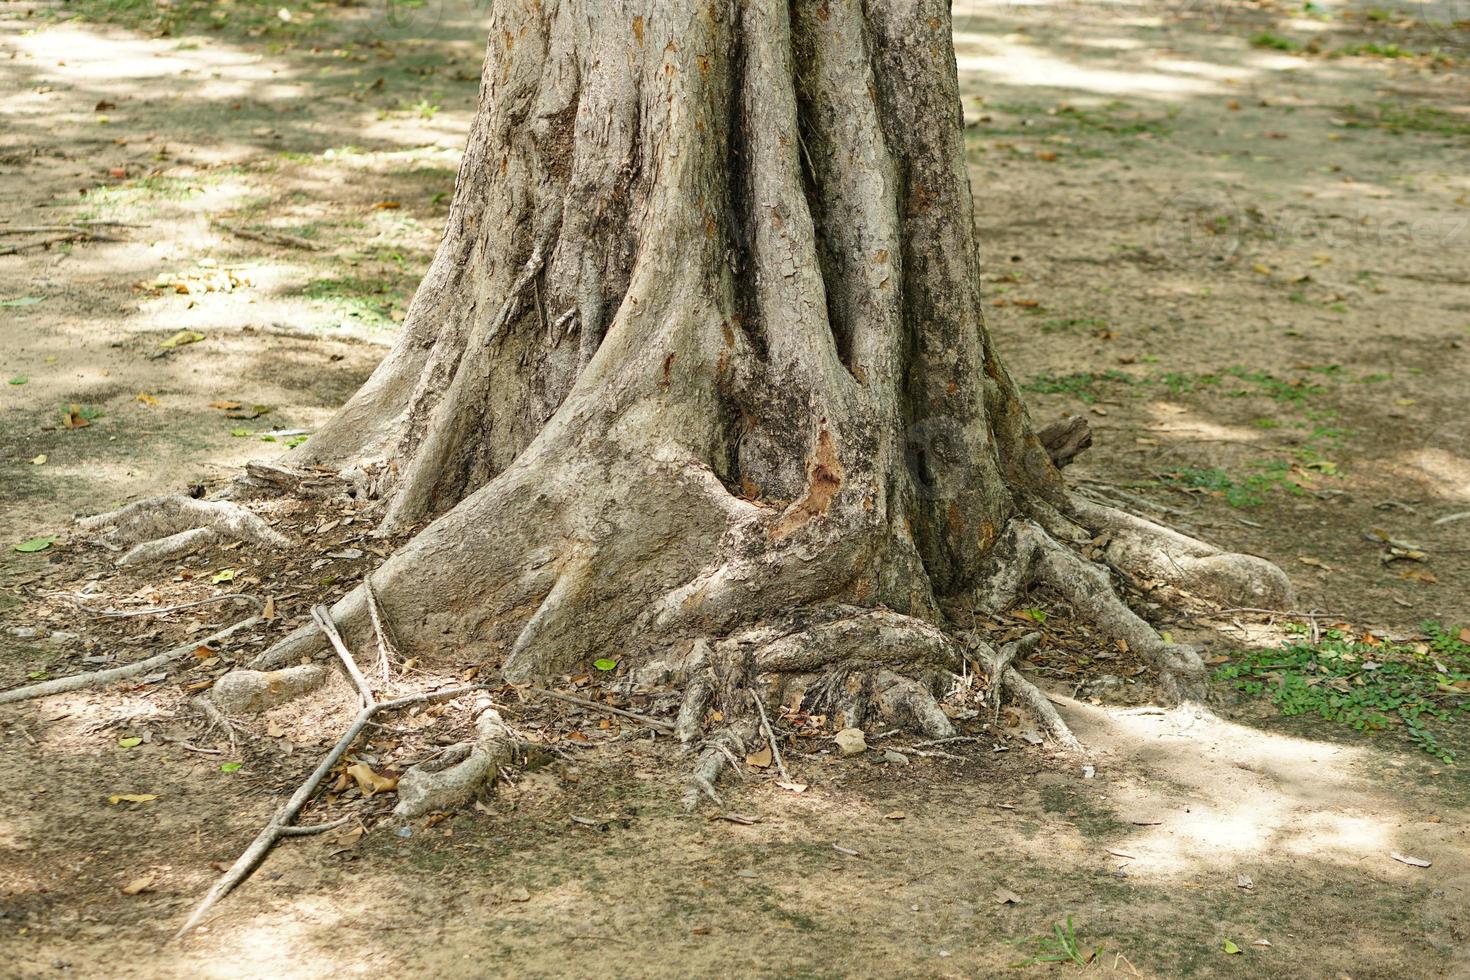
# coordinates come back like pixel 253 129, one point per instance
pixel 97 678
pixel 248 692
pixel 454 777
pixel 280 824
pixel 1026 555
pixel 162 527
pixel 1151 550
pixel 1007 679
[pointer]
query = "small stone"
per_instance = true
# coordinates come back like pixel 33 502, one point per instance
pixel 897 758
pixel 62 636
pixel 851 741
pixel 23 632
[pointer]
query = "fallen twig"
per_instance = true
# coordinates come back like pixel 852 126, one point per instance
pixel 162 610
pixel 73 235
pixel 770 736
pixel 323 617
pixel 272 237
pixel 97 678
pixel 386 650
pixel 280 825
pixel 653 723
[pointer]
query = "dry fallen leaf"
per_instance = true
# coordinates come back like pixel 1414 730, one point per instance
pixel 139 884
pixel 895 815
pixel 370 782
pixel 72 418
pixel 274 730
pixel 761 759
pixel 225 406
pixel 132 798
pixel 1412 861
pixel 1005 896
pixel 146 398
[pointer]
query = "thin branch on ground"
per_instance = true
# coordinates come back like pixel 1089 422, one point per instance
pixel 272 238
pixel 653 723
pixel 163 610
pixel 280 825
pixel 323 617
pixel 73 235
pixel 97 678
pixel 770 736
pixel 386 650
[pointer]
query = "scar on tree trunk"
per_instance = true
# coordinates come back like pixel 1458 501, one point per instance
pixel 699 378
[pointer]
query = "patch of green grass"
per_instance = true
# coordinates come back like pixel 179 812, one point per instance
pixel 1374 51
pixel 370 301
pixel 1085 814
pixel 1249 492
pixel 1414 687
pixel 1401 118
pixel 1074 384
pixel 1295 390
pixel 1062 946
pixel 1274 42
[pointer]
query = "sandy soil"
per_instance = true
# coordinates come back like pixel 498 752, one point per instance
pixel 1231 234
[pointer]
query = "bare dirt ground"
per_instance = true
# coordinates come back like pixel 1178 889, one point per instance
pixel 1232 234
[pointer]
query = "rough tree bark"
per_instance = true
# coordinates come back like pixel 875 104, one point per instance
pixel 699 378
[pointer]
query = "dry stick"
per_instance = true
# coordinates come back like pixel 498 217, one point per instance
pixel 272 238
pixel 386 650
pixel 161 610
pixel 653 723
pixel 97 678
pixel 770 736
pixel 323 617
pixel 280 824
pixel 77 235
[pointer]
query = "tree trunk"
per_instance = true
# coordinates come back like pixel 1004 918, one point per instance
pixel 699 378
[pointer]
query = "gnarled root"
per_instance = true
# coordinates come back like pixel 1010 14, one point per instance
pixel 1005 678
pixel 854 665
pixel 97 678
pixel 454 777
pixel 1026 555
pixel 1151 550
pixel 162 527
pixel 243 692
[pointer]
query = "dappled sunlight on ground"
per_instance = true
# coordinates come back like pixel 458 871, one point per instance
pixel 1225 795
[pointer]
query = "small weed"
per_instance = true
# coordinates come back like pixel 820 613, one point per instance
pixel 1074 384
pixel 1249 492
pixel 1365 683
pixel 1375 51
pixel 1295 390
pixel 1274 42
pixel 1415 119
pixel 1062 946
